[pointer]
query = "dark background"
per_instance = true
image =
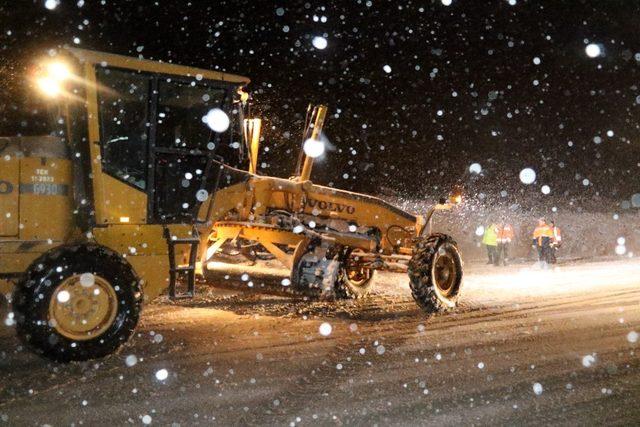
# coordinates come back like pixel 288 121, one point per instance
pixel 387 135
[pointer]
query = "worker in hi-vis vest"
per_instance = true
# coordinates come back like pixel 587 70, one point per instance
pixel 542 238
pixel 556 241
pixel 490 240
pixel 505 237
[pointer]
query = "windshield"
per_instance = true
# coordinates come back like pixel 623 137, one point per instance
pixel 182 107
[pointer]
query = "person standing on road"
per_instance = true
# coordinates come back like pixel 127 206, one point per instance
pixel 505 236
pixel 542 237
pixel 556 241
pixel 490 240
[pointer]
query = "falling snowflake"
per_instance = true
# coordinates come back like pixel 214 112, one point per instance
pixel 201 195
pixel 217 120
pixel 319 42
pixel 588 360
pixel 87 280
pixel 527 176
pixel 63 296
pixel 131 360
pixel 51 4
pixel 162 374
pixel 593 50
pixel 537 389
pixel 325 329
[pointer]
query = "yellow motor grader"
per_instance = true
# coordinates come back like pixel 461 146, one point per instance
pixel 131 194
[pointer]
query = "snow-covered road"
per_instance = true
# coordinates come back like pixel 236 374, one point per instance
pixel 526 346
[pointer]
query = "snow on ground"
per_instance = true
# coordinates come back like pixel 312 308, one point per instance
pixel 525 347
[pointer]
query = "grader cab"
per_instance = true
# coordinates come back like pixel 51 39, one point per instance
pixel 134 192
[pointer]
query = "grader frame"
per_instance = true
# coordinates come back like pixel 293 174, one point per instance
pixel 133 193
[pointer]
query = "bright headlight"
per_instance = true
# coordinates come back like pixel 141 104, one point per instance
pixel 51 77
pixel 58 71
pixel 49 86
pixel 313 148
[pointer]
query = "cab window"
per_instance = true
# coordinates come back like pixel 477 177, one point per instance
pixel 123 101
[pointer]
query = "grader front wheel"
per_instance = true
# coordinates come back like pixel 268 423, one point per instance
pixel 435 273
pixel 354 281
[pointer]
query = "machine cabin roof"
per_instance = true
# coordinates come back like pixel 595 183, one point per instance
pixel 95 57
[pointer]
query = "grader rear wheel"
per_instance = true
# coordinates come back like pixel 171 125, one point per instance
pixel 77 303
pixel 435 273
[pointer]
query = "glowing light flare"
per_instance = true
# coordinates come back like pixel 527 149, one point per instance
pixel 244 96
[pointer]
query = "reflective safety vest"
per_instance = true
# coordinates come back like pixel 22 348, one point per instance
pixel 490 237
pixel 542 235
pixel 557 235
pixel 505 234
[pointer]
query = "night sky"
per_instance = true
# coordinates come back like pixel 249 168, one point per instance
pixel 418 91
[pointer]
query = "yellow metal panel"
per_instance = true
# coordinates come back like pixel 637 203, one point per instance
pixel 122 203
pixel 5 287
pixel 145 247
pixel 17 262
pixel 46 199
pixel 137 239
pixel 154 271
pixel 225 200
pixel 9 186
pixel 94 144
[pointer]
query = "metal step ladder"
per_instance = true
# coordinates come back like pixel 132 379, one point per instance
pixel 189 270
